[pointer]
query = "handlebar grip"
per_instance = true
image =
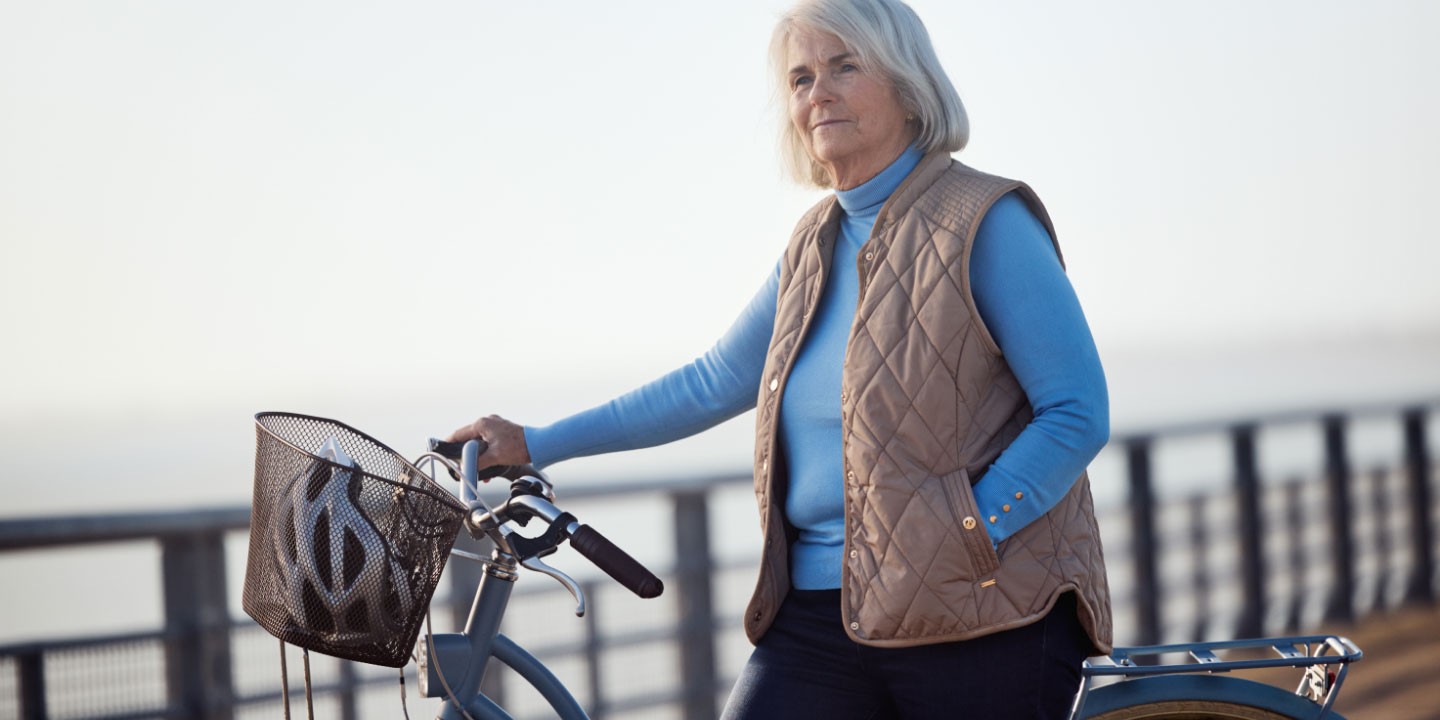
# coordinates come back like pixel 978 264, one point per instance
pixel 616 562
pixel 452 450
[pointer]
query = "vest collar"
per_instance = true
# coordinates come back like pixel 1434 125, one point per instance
pixel 827 220
pixel 931 167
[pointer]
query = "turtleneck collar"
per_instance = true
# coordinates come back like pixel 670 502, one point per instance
pixel 867 197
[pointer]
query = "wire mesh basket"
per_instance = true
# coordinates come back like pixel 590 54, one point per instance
pixel 347 540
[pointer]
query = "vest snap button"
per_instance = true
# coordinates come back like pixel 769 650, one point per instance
pixel 854 626
pixel 1019 495
pixel 968 522
pixel 854 554
pixel 774 383
pixel 1005 507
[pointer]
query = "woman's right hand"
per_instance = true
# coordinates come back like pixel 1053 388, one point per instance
pixel 505 438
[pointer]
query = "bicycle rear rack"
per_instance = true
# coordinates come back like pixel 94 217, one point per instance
pixel 1288 651
pixel 1313 653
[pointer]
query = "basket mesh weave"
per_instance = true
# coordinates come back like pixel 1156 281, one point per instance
pixel 345 551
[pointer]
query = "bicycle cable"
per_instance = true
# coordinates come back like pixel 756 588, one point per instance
pixel 403 706
pixel 309 701
pixel 284 681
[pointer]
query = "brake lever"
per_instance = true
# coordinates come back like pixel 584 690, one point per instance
pixel 538 565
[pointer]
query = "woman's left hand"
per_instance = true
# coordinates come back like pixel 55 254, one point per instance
pixel 506 440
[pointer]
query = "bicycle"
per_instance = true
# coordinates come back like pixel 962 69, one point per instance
pixel 1152 690
pixel 371 611
pixel 348 539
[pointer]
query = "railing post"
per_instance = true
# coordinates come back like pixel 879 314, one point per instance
pixel 594 649
pixel 197 626
pixel 697 625
pixel 1337 480
pixel 1295 517
pixel 1252 531
pixel 347 690
pixel 1200 571
pixel 1143 540
pixel 1380 502
pixel 1421 588
pixel 32 686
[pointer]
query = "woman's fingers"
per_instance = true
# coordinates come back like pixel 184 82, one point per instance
pixel 506 440
pixel 465 433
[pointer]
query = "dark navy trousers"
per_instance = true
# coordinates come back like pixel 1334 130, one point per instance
pixel 807 667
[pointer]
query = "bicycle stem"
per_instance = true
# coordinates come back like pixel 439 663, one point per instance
pixel 482 521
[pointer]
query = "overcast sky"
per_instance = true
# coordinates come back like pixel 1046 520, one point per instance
pixel 268 204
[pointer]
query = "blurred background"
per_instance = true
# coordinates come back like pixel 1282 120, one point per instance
pixel 404 216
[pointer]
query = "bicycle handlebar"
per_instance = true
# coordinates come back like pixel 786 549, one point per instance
pixel 528 498
pixel 455 450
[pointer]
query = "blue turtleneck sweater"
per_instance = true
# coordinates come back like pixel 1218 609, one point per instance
pixel 1024 299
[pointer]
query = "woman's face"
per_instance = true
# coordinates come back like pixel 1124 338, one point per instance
pixel 848 116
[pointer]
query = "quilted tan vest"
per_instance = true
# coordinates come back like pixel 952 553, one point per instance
pixel 927 404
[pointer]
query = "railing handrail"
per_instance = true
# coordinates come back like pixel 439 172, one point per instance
pixel 59 530
pixel 79 643
pixel 1224 423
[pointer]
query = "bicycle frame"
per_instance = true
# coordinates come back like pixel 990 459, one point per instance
pixel 460 659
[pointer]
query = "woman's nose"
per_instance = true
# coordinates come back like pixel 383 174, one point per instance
pixel 821 91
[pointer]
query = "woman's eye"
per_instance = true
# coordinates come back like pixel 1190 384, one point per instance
pixel 849 67
pixel 800 80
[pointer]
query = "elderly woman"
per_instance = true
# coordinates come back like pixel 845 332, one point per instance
pixel 928 399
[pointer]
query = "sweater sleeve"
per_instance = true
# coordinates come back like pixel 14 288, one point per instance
pixel 713 388
pixel 1031 310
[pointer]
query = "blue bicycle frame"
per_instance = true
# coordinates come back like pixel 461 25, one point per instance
pixel 453 664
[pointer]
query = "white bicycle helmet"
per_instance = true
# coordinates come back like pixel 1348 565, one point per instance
pixel 339 580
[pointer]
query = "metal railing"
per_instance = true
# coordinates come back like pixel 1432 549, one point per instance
pixel 1336 477
pixel 1165 553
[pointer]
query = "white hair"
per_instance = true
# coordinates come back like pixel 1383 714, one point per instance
pixel 888 37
